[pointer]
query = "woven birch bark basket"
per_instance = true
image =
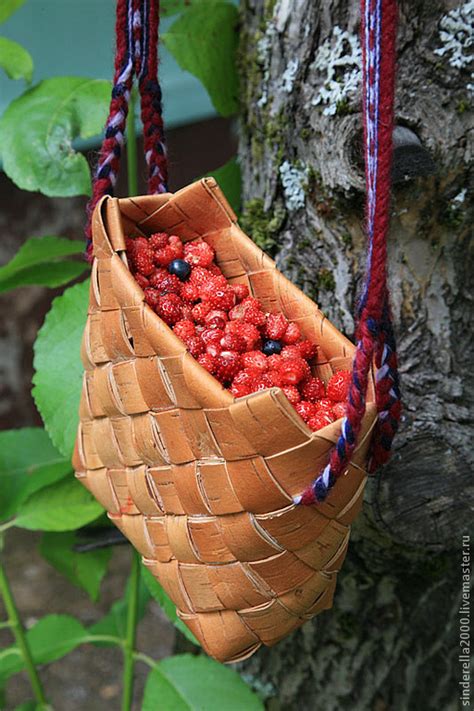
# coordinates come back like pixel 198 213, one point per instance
pixel 200 482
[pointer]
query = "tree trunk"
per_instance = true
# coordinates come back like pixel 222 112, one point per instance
pixel 391 640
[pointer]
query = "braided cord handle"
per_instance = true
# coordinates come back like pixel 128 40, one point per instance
pixel 136 54
pixel 375 337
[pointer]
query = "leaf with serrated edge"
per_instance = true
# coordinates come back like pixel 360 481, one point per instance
pixel 197 683
pixel 58 377
pixel 58 110
pixel 28 462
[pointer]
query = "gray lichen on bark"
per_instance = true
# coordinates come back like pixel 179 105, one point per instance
pixel 390 641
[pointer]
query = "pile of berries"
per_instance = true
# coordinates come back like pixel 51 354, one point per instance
pixel 227 331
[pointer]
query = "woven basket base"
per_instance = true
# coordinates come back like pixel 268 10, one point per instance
pixel 202 483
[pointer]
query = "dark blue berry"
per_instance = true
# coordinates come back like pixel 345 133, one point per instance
pixel 271 348
pixel 180 268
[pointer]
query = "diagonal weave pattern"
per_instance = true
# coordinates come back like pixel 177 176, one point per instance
pixel 203 484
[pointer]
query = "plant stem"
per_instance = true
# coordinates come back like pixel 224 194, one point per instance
pixel 132 162
pixel 20 638
pixel 129 642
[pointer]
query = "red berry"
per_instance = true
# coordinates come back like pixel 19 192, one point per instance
pixel 261 383
pixel 313 389
pixel 324 404
pixel 293 371
pixel 187 311
pixel 275 326
pixel 274 361
pixel 216 318
pixel 164 256
pixel 319 420
pixel 305 409
pixel 255 360
pixel 170 284
pixel 242 383
pixel 241 291
pixel 247 331
pixel 227 366
pixel 338 410
pixel 177 246
pixel 200 312
pixel 275 376
pixel 338 387
pixel 184 329
pixel 170 308
pixel 199 254
pixel 158 240
pixel 152 297
pixel 292 393
pixel 233 342
pixel 135 243
pixel 307 349
pixel 200 276
pixel 290 352
pixel 208 362
pixel 292 334
pixel 195 346
pixel 142 281
pixel 189 292
pixel 249 311
pixel 212 336
pixel 157 277
pixel 143 261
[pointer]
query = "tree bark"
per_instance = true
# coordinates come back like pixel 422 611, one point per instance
pixel 391 640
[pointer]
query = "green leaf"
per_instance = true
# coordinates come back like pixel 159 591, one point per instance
pixel 28 462
pixel 230 181
pixel 15 60
pixel 86 570
pixel 189 683
pixel 37 154
pixel 38 262
pixel 203 40
pixel 64 506
pixel 51 638
pixel 8 7
pixel 168 607
pixel 58 377
pixel 115 621
pixel 28 706
pixel 172 7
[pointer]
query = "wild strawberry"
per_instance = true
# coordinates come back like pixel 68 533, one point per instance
pixel 275 376
pixel 241 291
pixel 255 360
pixel 274 361
pixel 208 362
pixel 292 393
pixel 292 334
pixel 184 329
pixel 319 420
pixel 200 276
pixel 338 386
pixel 307 349
pixel 164 256
pixel 152 297
pixel 324 404
pixel 216 318
pixel 136 243
pixel 232 342
pixel 200 312
pixel 143 261
pixel 170 308
pixel 247 331
pixel 215 270
pixel 249 310
pixel 293 371
pixel 177 246
pixel 305 409
pixel 158 240
pixel 187 311
pixel 261 383
pixel 212 336
pixel 338 410
pixel 157 276
pixel 170 284
pixel 142 281
pixel 199 254
pixel 290 352
pixel 195 346
pixel 189 292
pixel 227 366
pixel 275 326
pixel 312 389
pixel 242 383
